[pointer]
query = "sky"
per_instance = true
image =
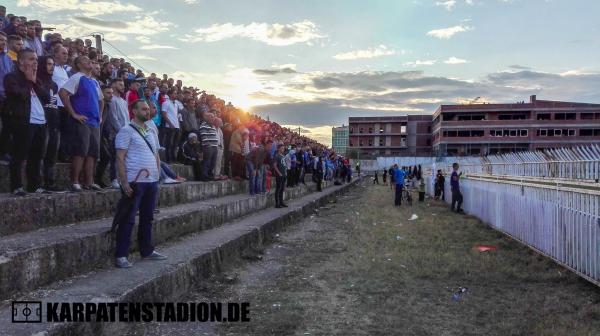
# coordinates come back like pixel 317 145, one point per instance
pixel 315 63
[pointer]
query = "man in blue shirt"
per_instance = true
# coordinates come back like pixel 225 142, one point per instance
pixel 457 197
pixel 399 176
pixel 84 102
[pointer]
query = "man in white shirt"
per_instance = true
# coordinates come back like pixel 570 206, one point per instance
pixel 137 154
pixel 170 114
pixel 60 76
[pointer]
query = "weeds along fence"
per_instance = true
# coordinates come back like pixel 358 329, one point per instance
pixel 559 219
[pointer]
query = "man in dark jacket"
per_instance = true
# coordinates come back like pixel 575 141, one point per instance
pixel 25 101
pixel 192 155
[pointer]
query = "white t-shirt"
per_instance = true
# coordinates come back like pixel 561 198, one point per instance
pixel 171 110
pixel 60 77
pixel 139 156
pixel 37 115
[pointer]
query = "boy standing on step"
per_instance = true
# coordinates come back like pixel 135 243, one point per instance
pixel 280 168
pixel 136 152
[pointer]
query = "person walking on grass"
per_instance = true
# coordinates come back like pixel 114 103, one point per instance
pixel 457 197
pixel 399 176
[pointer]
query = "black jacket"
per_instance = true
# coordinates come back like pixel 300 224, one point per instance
pixel 18 97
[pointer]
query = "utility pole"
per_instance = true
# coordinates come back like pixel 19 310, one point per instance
pixel 98 42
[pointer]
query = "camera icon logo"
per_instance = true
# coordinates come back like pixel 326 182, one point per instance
pixel 27 311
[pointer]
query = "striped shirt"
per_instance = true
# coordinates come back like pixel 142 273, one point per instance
pixel 208 135
pixel 138 156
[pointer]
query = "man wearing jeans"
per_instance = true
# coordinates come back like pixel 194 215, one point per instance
pixel 137 153
pixel 457 197
pixel 280 169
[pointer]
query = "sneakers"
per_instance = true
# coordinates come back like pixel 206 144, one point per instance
pixel 169 180
pixel 76 187
pixel 180 179
pixel 122 263
pixel 94 187
pixel 42 191
pixel 155 256
pixel 20 192
pixel 115 184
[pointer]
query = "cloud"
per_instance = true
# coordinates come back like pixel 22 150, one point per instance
pixel 447 33
pixel 378 51
pixel 519 67
pixel 138 25
pixel 90 8
pixel 143 39
pixel 454 60
pixel 420 63
pixel 271 72
pixel 275 34
pixel 449 4
pixel 153 47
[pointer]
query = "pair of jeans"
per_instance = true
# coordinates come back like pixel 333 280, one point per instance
pixel 166 171
pixel 29 144
pixel 457 198
pixel 237 165
pixel 108 158
pixel 279 188
pixel 252 172
pixel 51 156
pixel 171 143
pixel 209 158
pixel 398 195
pixel 144 200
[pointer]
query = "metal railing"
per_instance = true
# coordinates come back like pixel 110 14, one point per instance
pixel 575 163
pixel 542 199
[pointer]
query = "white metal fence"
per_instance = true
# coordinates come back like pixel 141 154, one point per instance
pixel 576 163
pixel 560 222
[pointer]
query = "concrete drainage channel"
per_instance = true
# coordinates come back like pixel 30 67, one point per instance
pixel 191 259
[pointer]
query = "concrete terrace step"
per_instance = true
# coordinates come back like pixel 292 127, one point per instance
pixel 63 175
pixel 190 260
pixel 21 214
pixel 29 260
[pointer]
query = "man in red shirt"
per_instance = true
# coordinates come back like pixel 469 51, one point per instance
pixel 132 95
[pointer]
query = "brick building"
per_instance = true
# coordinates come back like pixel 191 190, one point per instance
pixel 479 129
pixel 408 135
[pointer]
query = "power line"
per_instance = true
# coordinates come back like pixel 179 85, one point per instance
pixel 125 55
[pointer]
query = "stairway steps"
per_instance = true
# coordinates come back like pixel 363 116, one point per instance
pixel 32 259
pixel 190 260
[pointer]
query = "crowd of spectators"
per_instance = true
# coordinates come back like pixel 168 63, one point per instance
pixel 64 100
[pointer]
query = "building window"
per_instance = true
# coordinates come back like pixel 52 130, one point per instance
pixel 557 132
pixel 571 132
pixel 381 142
pixel 523 133
pixel 360 130
pixel 565 116
pixel 351 130
pixel 428 142
pixel 513 133
pixel 586 132
pixel 370 142
pixel 381 130
pixel 402 129
pixel 370 130
pixel 360 143
pixel 543 116
pixel 542 132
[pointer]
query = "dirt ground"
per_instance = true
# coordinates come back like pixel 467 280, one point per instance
pixel 360 267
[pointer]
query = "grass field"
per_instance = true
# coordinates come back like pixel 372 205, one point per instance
pixel 360 267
